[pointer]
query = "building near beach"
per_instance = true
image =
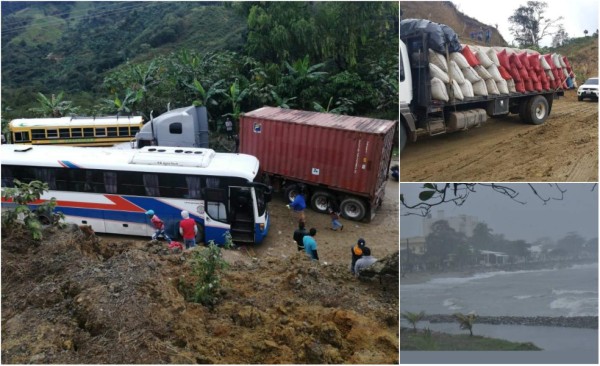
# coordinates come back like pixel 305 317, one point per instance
pixel 415 244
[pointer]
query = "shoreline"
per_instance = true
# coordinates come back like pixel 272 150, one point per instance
pixel 581 322
pixel 414 278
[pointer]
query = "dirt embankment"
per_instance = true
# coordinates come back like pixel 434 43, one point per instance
pixel 563 149
pixel 67 300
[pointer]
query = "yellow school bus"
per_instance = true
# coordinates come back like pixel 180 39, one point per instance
pixel 75 131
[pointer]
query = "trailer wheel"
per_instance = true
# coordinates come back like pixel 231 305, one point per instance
pixel 537 109
pixel 290 192
pixel 320 201
pixel 403 136
pixel 353 209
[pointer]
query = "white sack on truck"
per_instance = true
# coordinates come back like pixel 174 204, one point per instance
pixel 511 86
pixel 483 58
pixel 481 71
pixel 467 89
pixel 438 90
pixel 460 60
pixel 438 60
pixel 491 53
pixel 436 72
pixel 457 91
pixel 502 86
pixel 479 88
pixel 493 70
pixel 455 73
pixel 544 63
pixel 491 86
pixel 471 75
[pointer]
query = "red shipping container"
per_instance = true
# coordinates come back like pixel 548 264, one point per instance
pixel 346 153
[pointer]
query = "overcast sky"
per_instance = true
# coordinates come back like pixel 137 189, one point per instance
pixel 578 14
pixel 577 212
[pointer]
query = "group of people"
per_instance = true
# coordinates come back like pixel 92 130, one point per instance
pixel 305 239
pixel 187 229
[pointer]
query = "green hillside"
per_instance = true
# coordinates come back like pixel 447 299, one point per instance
pixel 137 57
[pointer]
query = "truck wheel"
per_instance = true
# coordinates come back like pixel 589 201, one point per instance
pixel 538 110
pixel 403 136
pixel 580 98
pixel 353 209
pixel 523 108
pixel 290 192
pixel 320 201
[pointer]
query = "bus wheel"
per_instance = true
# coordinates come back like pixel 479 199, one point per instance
pixel 353 209
pixel 320 201
pixel 290 192
pixel 200 233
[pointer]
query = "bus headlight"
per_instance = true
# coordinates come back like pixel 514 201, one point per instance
pixel 261 226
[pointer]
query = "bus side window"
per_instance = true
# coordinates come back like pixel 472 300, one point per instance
pixel 21 136
pixel 217 211
pixel 64 133
pixel 38 134
pixel 112 131
pixel 88 132
pixel 131 183
pixel 123 131
pixel 193 187
pixel 47 175
pixel 76 132
pixel 151 185
pixel 7 177
pixel 110 182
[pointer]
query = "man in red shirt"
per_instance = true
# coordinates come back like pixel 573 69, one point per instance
pixel 188 230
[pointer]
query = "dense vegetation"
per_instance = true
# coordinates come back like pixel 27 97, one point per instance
pixel 435 341
pixel 138 57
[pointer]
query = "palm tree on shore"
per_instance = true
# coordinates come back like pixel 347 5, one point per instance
pixel 466 321
pixel 413 318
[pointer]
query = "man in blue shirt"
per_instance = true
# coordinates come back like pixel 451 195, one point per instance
pixel 310 244
pixel 298 205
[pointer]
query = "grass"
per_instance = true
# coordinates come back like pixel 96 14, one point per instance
pixel 436 341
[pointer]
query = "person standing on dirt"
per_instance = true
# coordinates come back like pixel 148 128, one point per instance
pixel 310 244
pixel 357 253
pixel 188 230
pixel 299 235
pixel 299 205
pixel 365 261
pixel 159 226
pixel 229 128
pixel 334 214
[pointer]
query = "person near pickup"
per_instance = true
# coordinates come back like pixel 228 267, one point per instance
pixel 310 244
pixel 365 261
pixel 334 214
pixel 188 230
pixel 299 235
pixel 159 226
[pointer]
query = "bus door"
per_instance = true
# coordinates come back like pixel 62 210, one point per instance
pixel 241 214
pixel 216 218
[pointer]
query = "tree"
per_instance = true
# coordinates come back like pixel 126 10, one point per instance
pixel 413 318
pixel 561 37
pixel 54 106
pixel 529 25
pixel 442 241
pixel 466 321
pixel 585 32
pixel 434 194
pixel 572 243
pixel 482 238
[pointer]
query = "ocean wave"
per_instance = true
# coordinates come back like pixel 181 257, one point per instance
pixel 480 276
pixel 574 292
pixel 576 306
pixel 451 304
pixel 584 266
pixel 523 297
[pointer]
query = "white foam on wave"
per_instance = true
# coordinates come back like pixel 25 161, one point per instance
pixel 451 304
pixel 574 292
pixel 523 297
pixel 584 266
pixel 479 276
pixel 576 306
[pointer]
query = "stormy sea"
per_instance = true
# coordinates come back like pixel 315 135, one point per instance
pixel 564 292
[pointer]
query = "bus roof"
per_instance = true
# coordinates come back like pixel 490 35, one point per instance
pixel 67 122
pixel 149 159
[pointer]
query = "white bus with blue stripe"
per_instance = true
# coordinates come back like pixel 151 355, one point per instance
pixel 112 189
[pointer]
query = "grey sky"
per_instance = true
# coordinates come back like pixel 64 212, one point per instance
pixel 578 14
pixel 577 212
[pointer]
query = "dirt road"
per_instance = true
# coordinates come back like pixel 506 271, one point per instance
pixel 563 149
